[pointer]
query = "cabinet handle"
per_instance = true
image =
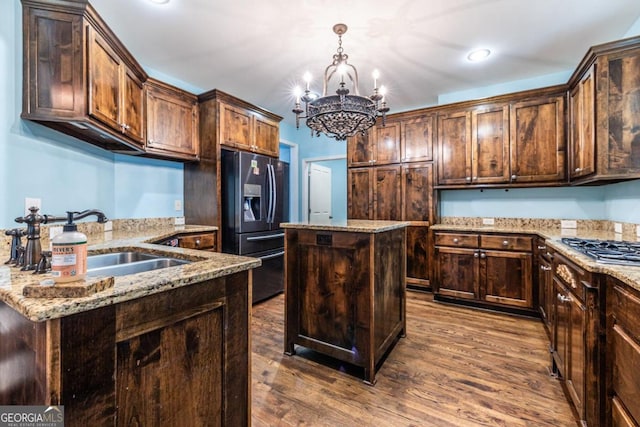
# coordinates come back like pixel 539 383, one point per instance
pixel 505 243
pixel 483 255
pixel 545 268
pixel 456 240
pixel 542 248
pixel 468 179
pixel 563 298
pixel 513 177
pixel 550 255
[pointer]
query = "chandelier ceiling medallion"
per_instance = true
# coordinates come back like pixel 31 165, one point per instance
pixel 343 114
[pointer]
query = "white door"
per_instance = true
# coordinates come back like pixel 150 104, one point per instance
pixel 319 194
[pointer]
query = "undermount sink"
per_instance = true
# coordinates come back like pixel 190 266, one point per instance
pixel 123 263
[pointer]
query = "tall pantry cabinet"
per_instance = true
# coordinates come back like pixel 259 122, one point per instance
pixel 391 177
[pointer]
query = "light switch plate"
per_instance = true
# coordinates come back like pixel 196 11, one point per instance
pixel 30 202
pixel 108 226
pixel 617 227
pixel 54 231
pixel 568 223
pixel 179 220
pixel 177 205
pixel 488 221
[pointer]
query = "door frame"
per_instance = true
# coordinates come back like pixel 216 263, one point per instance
pixel 294 206
pixel 306 163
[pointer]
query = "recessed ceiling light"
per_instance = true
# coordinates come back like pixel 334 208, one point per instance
pixel 478 55
pixel 159 1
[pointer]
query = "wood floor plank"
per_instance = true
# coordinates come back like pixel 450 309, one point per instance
pixel 456 367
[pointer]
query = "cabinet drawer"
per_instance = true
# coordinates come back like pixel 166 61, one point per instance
pixel 512 243
pixel 626 309
pixel 626 376
pixel 456 239
pixel 197 241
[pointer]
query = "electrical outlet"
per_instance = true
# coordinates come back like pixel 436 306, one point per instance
pixel 568 223
pixel 108 226
pixel 638 230
pixel 488 221
pixel 177 205
pixel 617 227
pixel 179 220
pixel 30 202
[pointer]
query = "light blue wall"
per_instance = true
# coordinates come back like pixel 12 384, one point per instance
pixel 65 173
pixel 321 146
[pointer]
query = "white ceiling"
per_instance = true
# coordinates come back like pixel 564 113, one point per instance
pixel 258 50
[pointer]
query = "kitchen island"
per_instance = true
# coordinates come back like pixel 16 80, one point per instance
pixel 345 289
pixel 163 347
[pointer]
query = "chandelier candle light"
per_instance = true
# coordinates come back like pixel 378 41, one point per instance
pixel 342 115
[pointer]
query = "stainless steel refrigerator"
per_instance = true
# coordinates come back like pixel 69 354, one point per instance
pixel 255 200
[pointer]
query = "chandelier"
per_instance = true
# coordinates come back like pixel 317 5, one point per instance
pixel 343 114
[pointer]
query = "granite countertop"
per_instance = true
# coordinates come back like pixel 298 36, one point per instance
pixel 351 225
pixel 627 274
pixel 204 266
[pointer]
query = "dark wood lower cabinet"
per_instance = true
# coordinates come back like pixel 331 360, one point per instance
pixel 345 294
pixel 180 357
pixel 485 269
pixel 418 263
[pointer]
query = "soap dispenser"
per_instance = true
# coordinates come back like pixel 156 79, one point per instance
pixel 69 253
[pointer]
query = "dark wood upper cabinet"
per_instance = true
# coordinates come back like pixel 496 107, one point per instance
pixel 454 148
pixel 80 79
pixel 490 145
pixel 417 138
pixel 387 192
pixel 538 140
pixel 172 121
pixel 380 145
pixel 360 193
pixel 604 95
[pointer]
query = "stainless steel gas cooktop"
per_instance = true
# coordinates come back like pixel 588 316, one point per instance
pixel 607 251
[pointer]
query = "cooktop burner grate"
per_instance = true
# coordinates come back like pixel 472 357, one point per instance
pixel 607 251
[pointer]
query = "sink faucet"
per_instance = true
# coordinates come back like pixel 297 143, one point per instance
pixel 33 248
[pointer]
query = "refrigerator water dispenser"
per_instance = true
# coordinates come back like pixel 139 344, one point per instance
pixel 251 202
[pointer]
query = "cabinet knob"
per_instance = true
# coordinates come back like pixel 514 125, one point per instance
pixel 475 178
pixel 513 177
pixel 483 255
pixel 198 243
pixel 578 170
pixel 505 243
pixel 468 179
pixel 563 298
pixel 550 255
pixel 456 240
pixel 475 254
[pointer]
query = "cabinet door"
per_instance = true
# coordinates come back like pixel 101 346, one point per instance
pixel 236 127
pixel 454 148
pixel 387 144
pixel 360 201
pixel 104 81
pixel 505 278
pixel 267 136
pixel 418 256
pixel 418 202
pixel 133 117
pixel 570 343
pixel 582 127
pixel 545 292
pixel 359 149
pixel 457 271
pixel 416 142
pixel 388 197
pixel 537 140
pixel 171 122
pixel 490 145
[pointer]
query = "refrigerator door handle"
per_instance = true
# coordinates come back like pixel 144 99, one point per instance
pixel 270 183
pixel 275 194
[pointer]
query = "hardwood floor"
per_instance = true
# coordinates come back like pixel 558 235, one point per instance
pixel 456 367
